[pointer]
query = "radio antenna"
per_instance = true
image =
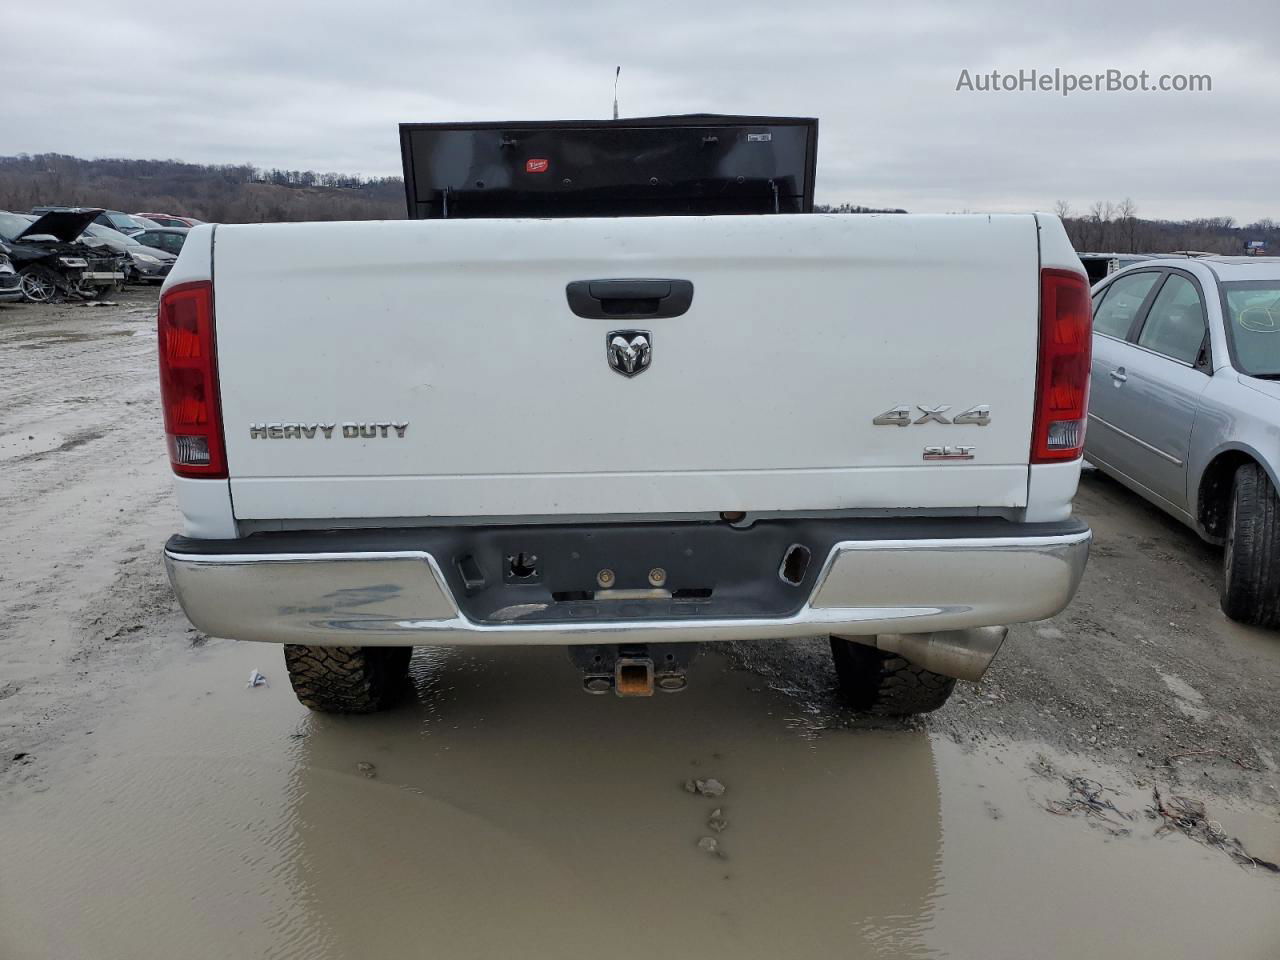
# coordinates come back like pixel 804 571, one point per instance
pixel 616 73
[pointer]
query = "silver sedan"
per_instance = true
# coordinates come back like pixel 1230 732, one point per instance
pixel 1185 407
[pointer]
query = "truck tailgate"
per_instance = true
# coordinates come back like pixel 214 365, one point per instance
pixel 761 396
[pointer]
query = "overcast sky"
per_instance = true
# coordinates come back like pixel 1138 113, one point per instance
pixel 312 85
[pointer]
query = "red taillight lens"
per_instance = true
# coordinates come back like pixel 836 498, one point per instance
pixel 1062 379
pixel 189 381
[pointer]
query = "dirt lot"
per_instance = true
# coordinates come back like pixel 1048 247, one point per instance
pixel 153 805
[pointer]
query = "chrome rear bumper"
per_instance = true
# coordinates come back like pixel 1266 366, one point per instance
pixel 402 597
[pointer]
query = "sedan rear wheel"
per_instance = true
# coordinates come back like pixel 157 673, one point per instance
pixel 1251 560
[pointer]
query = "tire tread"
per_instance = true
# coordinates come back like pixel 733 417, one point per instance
pixel 1251 576
pixel 884 684
pixel 347 679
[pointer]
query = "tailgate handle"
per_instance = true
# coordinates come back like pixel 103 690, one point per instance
pixel 629 299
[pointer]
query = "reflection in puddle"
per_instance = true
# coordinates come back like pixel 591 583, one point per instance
pixel 569 811
pixel 504 813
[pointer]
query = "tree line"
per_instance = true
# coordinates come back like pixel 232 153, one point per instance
pixel 853 208
pixel 222 193
pixel 1115 227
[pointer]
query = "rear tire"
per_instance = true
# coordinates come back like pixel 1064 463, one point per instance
pixel 885 685
pixel 347 679
pixel 1251 559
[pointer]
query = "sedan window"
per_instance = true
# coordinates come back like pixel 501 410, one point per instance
pixel 1175 323
pixel 1253 323
pixel 11 224
pixel 96 229
pixel 165 241
pixel 121 221
pixel 1121 303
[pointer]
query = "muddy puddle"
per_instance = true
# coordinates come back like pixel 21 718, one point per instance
pixel 503 813
pixel 43 340
pixel 23 445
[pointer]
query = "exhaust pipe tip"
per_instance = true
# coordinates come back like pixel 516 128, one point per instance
pixel 963 654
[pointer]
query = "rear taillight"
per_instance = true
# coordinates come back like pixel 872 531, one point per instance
pixel 1062 379
pixel 189 381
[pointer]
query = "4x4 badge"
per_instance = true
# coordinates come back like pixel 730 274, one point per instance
pixel 901 416
pixel 629 351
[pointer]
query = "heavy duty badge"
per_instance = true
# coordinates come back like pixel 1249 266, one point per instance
pixel 367 430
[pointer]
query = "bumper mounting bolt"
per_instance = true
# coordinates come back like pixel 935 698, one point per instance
pixel 605 577
pixel 657 576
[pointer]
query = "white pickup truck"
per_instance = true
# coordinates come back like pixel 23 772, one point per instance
pixel 627 435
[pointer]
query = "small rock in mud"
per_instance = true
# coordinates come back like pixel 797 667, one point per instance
pixel 708 788
pixel 710 845
pixel 368 769
pixel 716 821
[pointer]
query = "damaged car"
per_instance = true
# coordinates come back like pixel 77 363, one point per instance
pixel 107 267
pixel 142 263
pixel 103 269
pixel 49 260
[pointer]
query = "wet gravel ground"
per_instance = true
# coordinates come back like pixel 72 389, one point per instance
pixel 155 806
pixel 1141 670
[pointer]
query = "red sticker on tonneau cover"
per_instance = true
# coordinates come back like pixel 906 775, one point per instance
pixel 536 165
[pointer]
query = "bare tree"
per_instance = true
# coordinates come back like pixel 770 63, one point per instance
pixel 1099 220
pixel 1127 215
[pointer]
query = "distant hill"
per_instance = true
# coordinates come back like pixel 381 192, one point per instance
pixel 231 193
pixel 225 194
pixel 1110 227
pixel 242 193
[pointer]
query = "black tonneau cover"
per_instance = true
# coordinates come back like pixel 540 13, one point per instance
pixel 648 166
